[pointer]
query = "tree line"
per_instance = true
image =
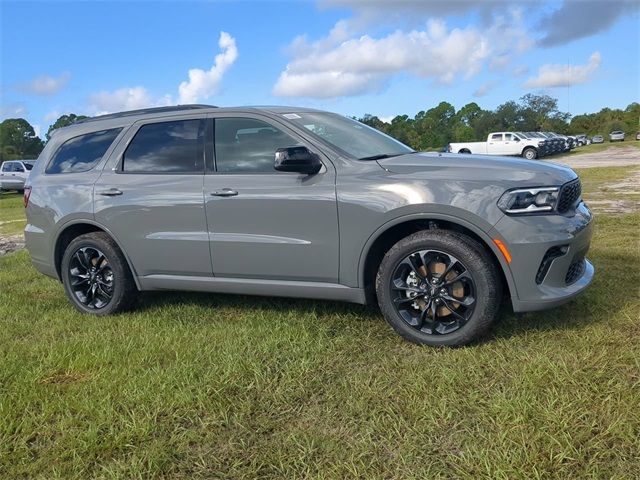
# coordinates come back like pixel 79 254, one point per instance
pixel 428 129
pixel 442 124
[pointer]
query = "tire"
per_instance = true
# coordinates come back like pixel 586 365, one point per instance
pixel 465 150
pixel 81 259
pixel 463 252
pixel 530 153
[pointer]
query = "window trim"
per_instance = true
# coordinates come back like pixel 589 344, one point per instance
pixel 267 120
pixel 106 154
pixel 119 167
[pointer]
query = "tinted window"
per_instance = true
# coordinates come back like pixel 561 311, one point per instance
pixel 248 145
pixel 17 167
pixel 6 166
pixel 28 166
pixel 82 153
pixel 166 147
pixel 352 137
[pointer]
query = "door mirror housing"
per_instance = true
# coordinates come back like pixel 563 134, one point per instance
pixel 297 159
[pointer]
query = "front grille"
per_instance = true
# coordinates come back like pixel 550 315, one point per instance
pixel 569 195
pixel 545 264
pixel 575 271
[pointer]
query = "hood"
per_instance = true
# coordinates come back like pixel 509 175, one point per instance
pixel 516 171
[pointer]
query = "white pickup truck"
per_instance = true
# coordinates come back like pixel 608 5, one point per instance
pixel 500 143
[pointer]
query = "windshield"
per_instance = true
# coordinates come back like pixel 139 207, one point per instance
pixel 28 165
pixel 354 138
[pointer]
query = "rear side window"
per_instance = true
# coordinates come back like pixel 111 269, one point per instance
pixel 82 153
pixel 6 166
pixel 496 137
pixel 166 147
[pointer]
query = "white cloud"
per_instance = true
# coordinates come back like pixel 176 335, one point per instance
pixel 13 110
pixel 520 71
pixel 52 115
pixel 483 89
pixel 360 65
pixel 119 100
pixel 344 64
pixel 45 84
pixel 387 119
pixel 563 75
pixel 37 129
pixel 202 84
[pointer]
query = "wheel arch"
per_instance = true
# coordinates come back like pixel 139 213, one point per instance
pixel 390 233
pixel 464 150
pixel 73 230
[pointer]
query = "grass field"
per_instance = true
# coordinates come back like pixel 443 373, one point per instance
pixel 215 386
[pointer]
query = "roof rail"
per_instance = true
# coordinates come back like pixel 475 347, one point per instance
pixel 143 111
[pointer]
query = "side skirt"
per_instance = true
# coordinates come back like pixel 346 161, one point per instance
pixel 244 286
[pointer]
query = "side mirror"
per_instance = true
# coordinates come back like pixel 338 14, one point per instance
pixel 517 139
pixel 297 159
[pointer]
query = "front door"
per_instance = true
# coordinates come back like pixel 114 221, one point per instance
pixel 265 224
pixel 150 198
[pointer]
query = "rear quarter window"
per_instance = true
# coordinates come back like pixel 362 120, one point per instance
pixel 82 153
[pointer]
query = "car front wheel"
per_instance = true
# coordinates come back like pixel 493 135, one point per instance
pixel 96 275
pixel 439 288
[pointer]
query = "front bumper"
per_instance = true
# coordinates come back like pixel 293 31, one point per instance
pixel 531 238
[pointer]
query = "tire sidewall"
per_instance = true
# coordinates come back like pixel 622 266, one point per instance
pixel 474 259
pixel 115 262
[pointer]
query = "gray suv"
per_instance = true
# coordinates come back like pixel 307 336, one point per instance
pixel 296 202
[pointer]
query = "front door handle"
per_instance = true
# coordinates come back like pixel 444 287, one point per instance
pixel 225 192
pixel 112 192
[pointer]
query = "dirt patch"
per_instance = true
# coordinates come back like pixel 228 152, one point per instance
pixel 621 196
pixel 611 157
pixel 63 378
pixel 11 243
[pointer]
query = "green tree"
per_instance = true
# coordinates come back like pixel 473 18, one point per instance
pixel 64 121
pixel 18 139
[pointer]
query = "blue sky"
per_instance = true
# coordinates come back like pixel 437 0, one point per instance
pixel 348 56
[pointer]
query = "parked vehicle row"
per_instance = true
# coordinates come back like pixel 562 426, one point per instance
pixel 14 173
pixel 296 202
pixel 529 145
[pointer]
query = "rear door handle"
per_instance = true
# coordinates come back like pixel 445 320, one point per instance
pixel 225 192
pixel 112 192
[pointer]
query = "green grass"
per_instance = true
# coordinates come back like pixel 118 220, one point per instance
pixel 221 386
pixel 12 219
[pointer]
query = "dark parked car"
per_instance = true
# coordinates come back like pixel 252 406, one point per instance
pixel 296 202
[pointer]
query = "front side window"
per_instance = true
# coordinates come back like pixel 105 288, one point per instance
pixel 247 145
pixel 166 147
pixel 350 136
pixel 82 153
pixel 17 167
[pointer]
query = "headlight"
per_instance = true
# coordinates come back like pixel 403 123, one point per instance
pixel 529 200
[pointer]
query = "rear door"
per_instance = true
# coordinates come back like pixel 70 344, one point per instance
pixel 265 224
pixel 150 197
pixel 494 145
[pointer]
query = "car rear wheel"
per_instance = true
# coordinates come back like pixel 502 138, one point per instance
pixel 96 275
pixel 439 288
